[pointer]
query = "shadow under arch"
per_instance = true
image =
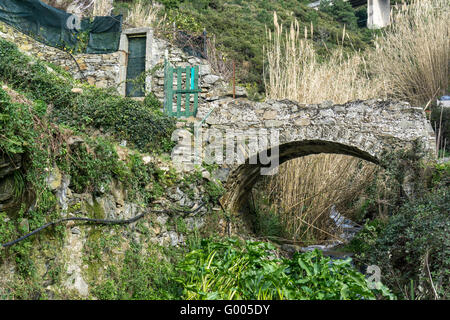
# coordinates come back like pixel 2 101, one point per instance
pixel 243 177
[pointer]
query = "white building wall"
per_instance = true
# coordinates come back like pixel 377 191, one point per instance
pixel 378 13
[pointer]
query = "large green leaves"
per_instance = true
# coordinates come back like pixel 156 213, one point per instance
pixel 235 270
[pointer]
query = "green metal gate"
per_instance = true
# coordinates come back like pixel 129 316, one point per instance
pixel 184 107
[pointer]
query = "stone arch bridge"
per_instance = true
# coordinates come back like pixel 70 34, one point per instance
pixel 364 129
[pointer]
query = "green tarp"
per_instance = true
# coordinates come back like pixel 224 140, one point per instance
pixel 55 27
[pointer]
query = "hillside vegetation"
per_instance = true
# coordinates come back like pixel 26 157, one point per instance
pixel 56 131
pixel 238 28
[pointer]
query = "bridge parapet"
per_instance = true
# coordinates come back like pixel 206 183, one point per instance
pixel 373 126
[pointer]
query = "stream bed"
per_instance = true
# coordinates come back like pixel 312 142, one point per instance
pixel 348 230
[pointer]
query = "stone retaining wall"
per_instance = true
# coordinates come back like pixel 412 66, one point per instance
pixel 101 70
pixel 104 70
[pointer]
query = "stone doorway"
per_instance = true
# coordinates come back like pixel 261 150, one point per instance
pixel 136 53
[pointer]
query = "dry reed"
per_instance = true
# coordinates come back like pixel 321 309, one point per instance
pixel 103 7
pixel 293 70
pixel 305 189
pixel 412 57
pixel 410 62
pixel 143 14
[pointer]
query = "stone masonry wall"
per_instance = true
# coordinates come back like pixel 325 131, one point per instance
pixel 213 86
pixel 101 70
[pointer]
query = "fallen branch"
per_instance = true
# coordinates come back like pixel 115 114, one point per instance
pixel 100 221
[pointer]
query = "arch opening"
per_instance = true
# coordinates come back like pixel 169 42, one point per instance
pixel 339 177
pixel 241 180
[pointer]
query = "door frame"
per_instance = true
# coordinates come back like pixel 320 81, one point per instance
pixel 123 51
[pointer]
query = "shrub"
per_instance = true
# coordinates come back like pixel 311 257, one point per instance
pixel 412 56
pixel 126 119
pixel 341 10
pixel 413 249
pixel 139 278
pixel 233 38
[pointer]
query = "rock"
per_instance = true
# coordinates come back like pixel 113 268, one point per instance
pixel 408 185
pixel 77 90
pixel 204 69
pixel 75 281
pixel 221 174
pixel 24 225
pixel 75 230
pixel 118 192
pixel 54 178
pixel 75 140
pixel 270 115
pixel 63 191
pixel 206 175
pixel 162 219
pixel 122 152
pixel 303 122
pixel 186 201
pixel 240 92
pixel 7 188
pixel 105 207
pixel 174 238
pixel 101 188
pixel 170 238
pixel 147 159
pixel 273 123
pixel 211 79
pixel 193 223
pixel 177 195
pixel 326 104
pixel 130 210
pixel 79 284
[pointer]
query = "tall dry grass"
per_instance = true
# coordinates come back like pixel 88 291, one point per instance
pixel 103 7
pixel 305 189
pixel 145 14
pixel 410 62
pixel 293 70
pixel 412 57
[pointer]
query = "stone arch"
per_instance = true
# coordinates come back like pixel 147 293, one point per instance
pixel 364 129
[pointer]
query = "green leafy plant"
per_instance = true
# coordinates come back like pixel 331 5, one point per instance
pixel 232 269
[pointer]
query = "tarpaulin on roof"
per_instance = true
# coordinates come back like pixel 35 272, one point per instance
pixel 60 29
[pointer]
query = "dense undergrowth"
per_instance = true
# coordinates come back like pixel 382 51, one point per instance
pixel 39 114
pixel 234 270
pixel 409 241
pixel 141 123
pixel 212 269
